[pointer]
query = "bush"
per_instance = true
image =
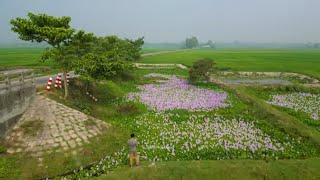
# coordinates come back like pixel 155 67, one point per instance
pixel 126 76
pixel 201 70
pixel 129 109
pixel 83 107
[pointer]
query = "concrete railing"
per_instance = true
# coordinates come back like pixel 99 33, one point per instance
pixel 17 90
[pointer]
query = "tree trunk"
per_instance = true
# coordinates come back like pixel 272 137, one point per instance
pixel 66 88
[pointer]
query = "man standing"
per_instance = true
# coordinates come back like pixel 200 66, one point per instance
pixel 132 143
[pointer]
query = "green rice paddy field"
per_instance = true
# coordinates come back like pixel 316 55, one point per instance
pixel 282 60
pixel 30 58
pixel 27 57
pixel 11 58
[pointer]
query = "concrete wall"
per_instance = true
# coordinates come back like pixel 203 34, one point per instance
pixel 14 100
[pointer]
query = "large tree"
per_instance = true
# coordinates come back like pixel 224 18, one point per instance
pixel 66 44
pixel 192 42
pixel 110 56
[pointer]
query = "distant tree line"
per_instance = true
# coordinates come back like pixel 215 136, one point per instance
pixel 193 42
pixel 313 45
pixel 91 56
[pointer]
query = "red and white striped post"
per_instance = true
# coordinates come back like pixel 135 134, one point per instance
pixel 56 83
pixel 49 84
pixel 60 81
pixel 68 78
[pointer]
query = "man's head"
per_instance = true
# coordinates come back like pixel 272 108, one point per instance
pixel 132 135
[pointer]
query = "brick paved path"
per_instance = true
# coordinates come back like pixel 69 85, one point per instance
pixel 63 129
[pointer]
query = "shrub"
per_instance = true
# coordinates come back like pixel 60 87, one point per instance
pixel 201 70
pixel 83 107
pixel 128 109
pixel 126 76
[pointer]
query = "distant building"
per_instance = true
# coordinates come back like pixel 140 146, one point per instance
pixel 205 46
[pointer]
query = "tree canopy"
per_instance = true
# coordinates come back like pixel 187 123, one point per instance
pixel 192 42
pixel 91 56
pixel 201 70
pixel 110 55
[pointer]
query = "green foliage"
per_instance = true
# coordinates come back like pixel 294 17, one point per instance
pixel 32 128
pixel 41 27
pixel 7 168
pixel 134 49
pixel 83 107
pixel 109 57
pixel 125 76
pixel 92 57
pixel 3 149
pixel 201 70
pixel 99 67
pixel 67 44
pixel 192 42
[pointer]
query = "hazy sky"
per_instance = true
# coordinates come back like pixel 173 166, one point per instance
pixel 174 20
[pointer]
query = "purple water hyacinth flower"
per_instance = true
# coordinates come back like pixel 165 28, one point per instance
pixel 176 93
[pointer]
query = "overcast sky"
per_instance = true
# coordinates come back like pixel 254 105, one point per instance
pixel 174 20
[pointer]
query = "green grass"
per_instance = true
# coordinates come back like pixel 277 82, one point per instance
pixel 31 128
pixel 23 166
pixel 225 169
pixel 301 61
pixel 147 50
pixel 8 168
pixel 29 58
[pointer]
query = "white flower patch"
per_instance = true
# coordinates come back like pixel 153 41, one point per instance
pixel 201 133
pixel 305 102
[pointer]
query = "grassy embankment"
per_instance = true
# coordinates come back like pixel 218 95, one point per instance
pixel 225 169
pixel 301 61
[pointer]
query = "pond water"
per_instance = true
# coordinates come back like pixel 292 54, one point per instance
pixel 257 81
